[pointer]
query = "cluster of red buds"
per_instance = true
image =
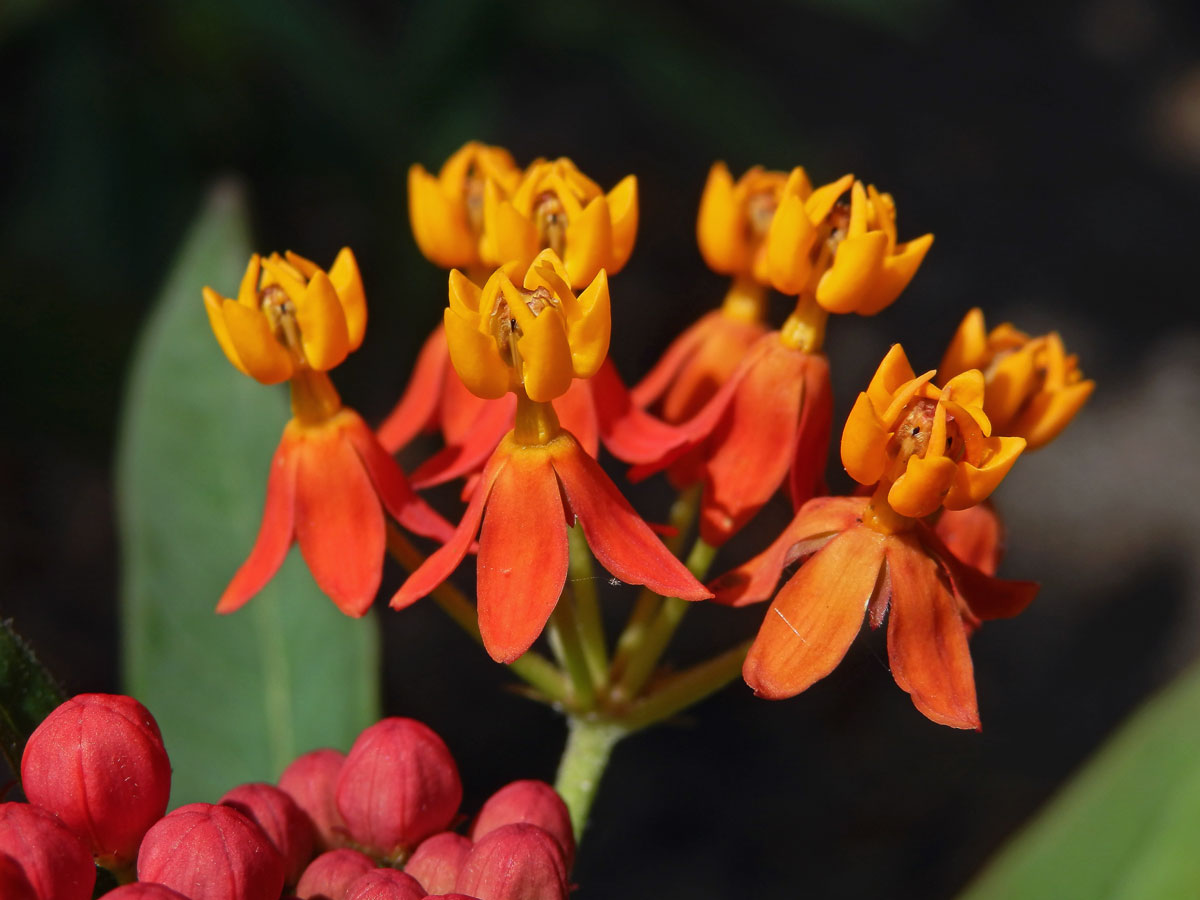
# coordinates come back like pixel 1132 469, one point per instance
pixel 373 824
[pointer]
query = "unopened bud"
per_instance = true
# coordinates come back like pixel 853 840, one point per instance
pixel 514 862
pixel 98 763
pixel 55 861
pixel 386 884
pixel 330 875
pixel 310 781
pixel 399 785
pixel 282 821
pixel 437 861
pixel 534 802
pixel 211 852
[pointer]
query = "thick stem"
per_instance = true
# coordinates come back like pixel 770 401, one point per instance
pixel 587 605
pixel 314 398
pixel 687 688
pixel 590 743
pixel 536 423
pixel 804 329
pixel 746 301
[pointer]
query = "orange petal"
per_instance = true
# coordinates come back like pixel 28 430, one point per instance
pixel 339 521
pixel 508 235
pixel 264 358
pixel 623 208
pixel 216 320
pixel 790 240
pixel 968 348
pixel 974 535
pixel 895 274
pixel 719 225
pixel 973 484
pixel 631 434
pixel 816 522
pixel 864 442
pixel 444 560
pixel 494 419
pixel 1048 413
pixel 655 383
pixel 589 242
pixel 814 619
pixel 622 542
pixel 322 324
pixel 982 596
pixel 807 475
pixel 274 534
pixel 858 264
pixel 894 371
pixel 923 486
pixel 439 224
pixel 391 485
pixel 476 358
pixel 522 554
pixel 348 282
pixel 927 642
pixel 548 368
pixel 415 411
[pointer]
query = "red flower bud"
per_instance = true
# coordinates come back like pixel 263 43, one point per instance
pixel 310 781
pixel 530 801
pixel 515 862
pixel 98 763
pixel 386 884
pixel 282 821
pixel 54 860
pixel 330 875
pixel 143 890
pixel 13 883
pixel 398 786
pixel 438 860
pixel 210 852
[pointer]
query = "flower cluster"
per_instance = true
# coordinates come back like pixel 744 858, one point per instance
pixel 369 825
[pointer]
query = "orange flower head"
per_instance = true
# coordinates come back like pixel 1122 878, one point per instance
pixel 526 331
pixel 735 217
pixel 557 207
pixel 859 267
pixel 1033 387
pixel 932 445
pixel 805 231
pixel 446 210
pixel 290 316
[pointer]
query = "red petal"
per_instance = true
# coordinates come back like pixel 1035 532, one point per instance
pixel 576 411
pixel 393 488
pixel 622 542
pixel 974 535
pixel 983 597
pixel 522 553
pixel 443 561
pixel 812 433
pixel 927 641
pixel 339 521
pixel 480 442
pixel 713 363
pixel 755 441
pixel 630 434
pixel 817 521
pixel 417 409
pixel 812 622
pixel 658 379
pixel 460 408
pixel 274 534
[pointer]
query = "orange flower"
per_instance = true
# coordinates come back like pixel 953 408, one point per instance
pixel 446 212
pixel 1033 388
pixel 531 339
pixel 928 446
pixel 330 480
pixel 735 217
pixel 558 207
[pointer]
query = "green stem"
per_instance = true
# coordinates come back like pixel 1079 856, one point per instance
pixel 644 658
pixel 532 668
pixel 589 745
pixel 687 688
pixel 564 626
pixel 591 622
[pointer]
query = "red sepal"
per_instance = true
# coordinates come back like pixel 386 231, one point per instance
pixel 418 406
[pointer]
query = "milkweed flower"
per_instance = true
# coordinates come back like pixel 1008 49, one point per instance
pixel 446 210
pixel 1033 387
pixel 330 480
pixel 531 337
pixel 866 556
pixel 734 219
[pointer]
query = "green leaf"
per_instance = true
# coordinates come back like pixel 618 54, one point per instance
pixel 28 694
pixel 237 696
pixel 1125 828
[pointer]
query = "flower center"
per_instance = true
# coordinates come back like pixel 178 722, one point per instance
pixel 506 330
pixel 915 432
pixel 277 306
pixel 551 220
pixel 760 210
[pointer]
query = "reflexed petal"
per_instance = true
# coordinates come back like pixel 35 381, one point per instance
pixel 418 405
pixel 971 484
pixel 476 358
pixel 460 408
pixel 589 242
pixel 547 355
pixel 275 532
pixel 1048 413
pixel 522 554
pixel 216 319
pixel 576 411
pixel 322 324
pixel 790 240
pixel 968 348
pixel 264 358
pixel 444 560
pixel 816 615
pixel 630 434
pixel 589 333
pixel 922 487
pixel 712 365
pixel 982 595
pixel 622 542
pixel 819 519
pixel 348 282
pixel 655 383
pixel 864 443
pixel 927 643
pixel 974 535
pixel 339 521
pixel 846 286
pixel 623 209
pixel 718 226
pixel 807 477
pixel 494 419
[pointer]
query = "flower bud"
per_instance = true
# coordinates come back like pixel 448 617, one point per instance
pixel 329 876
pixel 514 862
pixel 398 786
pixel 282 821
pixel 386 884
pixel 143 890
pixel 98 763
pixel 13 883
pixel 438 860
pixel 529 801
pixel 211 852
pixel 55 862
pixel 310 781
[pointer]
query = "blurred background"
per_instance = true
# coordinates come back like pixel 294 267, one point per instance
pixel 1054 150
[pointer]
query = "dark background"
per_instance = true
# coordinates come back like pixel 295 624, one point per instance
pixel 1053 148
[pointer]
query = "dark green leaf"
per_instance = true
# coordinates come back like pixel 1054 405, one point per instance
pixel 237 696
pixel 27 695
